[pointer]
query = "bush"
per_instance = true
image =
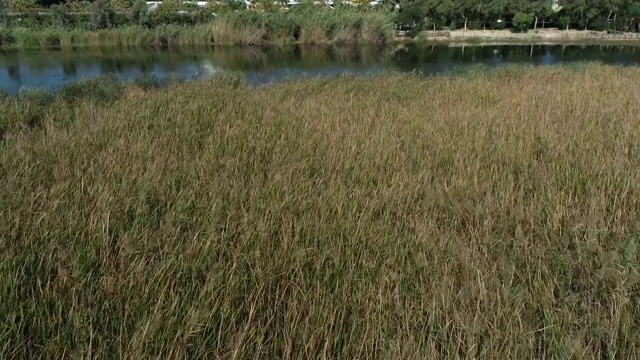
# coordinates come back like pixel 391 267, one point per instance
pixel 7 39
pixel 172 12
pixel 59 16
pixel 139 13
pixel 101 15
pixel 522 21
pixel 22 6
pixel 564 22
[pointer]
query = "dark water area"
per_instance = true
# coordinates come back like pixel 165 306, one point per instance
pixel 52 69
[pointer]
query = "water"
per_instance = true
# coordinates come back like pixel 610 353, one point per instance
pixel 52 69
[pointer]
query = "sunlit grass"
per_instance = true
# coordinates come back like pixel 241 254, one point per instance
pixel 481 215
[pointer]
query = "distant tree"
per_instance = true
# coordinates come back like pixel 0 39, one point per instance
pixel 411 14
pixel 4 13
pixel 634 14
pixel 23 6
pixel 101 14
pixel 120 5
pixel 522 21
pixel 59 15
pixel 139 13
pixel 564 22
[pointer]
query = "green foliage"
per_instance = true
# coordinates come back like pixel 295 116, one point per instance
pixel 522 21
pixel 172 12
pixel 7 38
pixel 139 13
pixel 308 23
pixel 23 6
pixel 4 14
pixel 59 16
pixel 564 22
pixel 101 14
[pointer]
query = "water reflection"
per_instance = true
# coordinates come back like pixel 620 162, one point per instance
pixel 53 69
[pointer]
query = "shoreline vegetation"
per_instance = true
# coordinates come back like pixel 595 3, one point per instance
pixel 375 31
pixel 26 24
pixel 322 26
pixel 492 214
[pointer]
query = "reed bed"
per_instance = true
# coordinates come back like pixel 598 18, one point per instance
pixel 306 25
pixel 479 215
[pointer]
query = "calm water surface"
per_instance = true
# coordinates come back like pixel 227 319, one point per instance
pixel 52 69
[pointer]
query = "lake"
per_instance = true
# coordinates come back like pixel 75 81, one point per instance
pixel 52 69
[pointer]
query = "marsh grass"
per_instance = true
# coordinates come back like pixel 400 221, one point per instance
pixel 104 89
pixel 390 217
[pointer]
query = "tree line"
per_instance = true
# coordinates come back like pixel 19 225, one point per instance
pixel 412 15
pixel 615 15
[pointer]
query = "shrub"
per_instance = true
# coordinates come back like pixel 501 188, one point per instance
pixel 7 39
pixel 522 21
pixel 59 16
pixel 22 6
pixel 172 12
pixel 139 13
pixel 101 14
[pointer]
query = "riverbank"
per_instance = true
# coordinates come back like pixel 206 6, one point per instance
pixel 226 32
pixel 540 36
pixel 489 214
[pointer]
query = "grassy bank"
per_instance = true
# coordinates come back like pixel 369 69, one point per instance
pixel 477 215
pixel 304 25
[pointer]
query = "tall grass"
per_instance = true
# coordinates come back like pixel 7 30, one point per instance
pixel 479 216
pixel 307 25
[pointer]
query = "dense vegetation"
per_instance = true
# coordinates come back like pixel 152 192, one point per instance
pixel 44 23
pixel 478 215
pixel 306 24
pixel 621 15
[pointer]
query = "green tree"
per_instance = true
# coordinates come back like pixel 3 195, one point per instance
pixel 541 10
pixel 581 12
pixel 101 15
pixel 59 15
pixel 436 12
pixel 564 22
pixel 22 6
pixel 139 13
pixel 4 13
pixel 411 14
pixel 633 13
pixel 491 11
pixel 467 10
pixel 522 21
